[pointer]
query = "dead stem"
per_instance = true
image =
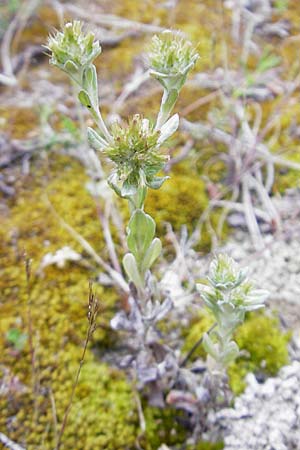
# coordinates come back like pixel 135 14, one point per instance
pixel 93 309
pixel 34 372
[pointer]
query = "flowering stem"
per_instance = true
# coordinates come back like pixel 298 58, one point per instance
pixel 168 101
pixel 101 124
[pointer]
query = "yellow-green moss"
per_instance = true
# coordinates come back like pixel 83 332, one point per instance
pixel 19 123
pixel 198 326
pixel 205 445
pixel 58 309
pixel 181 201
pixel 265 345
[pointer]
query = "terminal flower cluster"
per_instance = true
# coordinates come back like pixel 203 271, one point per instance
pixel 229 294
pixel 71 49
pixel 171 57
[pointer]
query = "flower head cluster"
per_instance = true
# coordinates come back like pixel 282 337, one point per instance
pixel 135 151
pixel 229 295
pixel 72 49
pixel 224 273
pixel 229 286
pixel 171 57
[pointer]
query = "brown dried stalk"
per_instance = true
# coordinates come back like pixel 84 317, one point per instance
pixel 93 309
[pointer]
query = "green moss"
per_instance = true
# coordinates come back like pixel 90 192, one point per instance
pixel 167 426
pixel 162 427
pixel 205 445
pixel 198 326
pixel 58 307
pixel 103 413
pixel 19 123
pixel 265 346
pixel 181 201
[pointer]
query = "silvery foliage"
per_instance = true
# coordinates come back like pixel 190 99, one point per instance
pixel 229 295
pixel 154 363
pixel 135 150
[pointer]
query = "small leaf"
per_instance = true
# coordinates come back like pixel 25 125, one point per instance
pixel 141 230
pixel 120 322
pixel 130 185
pixel 140 196
pixel 156 182
pixel 16 338
pixel 131 269
pixel 95 140
pixel 210 347
pixel 168 129
pixel 170 100
pixel 85 99
pixel 230 353
pixel 70 67
pixel 152 254
pixel 90 84
pixel 112 182
pixel 164 309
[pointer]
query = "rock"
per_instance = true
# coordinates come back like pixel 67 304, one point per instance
pixel 266 416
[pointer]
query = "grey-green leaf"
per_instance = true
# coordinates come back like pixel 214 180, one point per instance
pixel 230 353
pixel 71 67
pixel 95 140
pixel 90 84
pixel 131 269
pixel 168 129
pixel 141 230
pixel 156 182
pixel 130 185
pixel 210 347
pixel 152 253
pixel 85 99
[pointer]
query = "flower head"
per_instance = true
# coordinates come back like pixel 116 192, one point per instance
pixel 72 49
pixel 135 151
pixel 224 273
pixel 171 57
pixel 229 289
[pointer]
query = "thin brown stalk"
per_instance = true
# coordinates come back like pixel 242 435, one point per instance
pixel 93 308
pixel 34 373
pixel 195 346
